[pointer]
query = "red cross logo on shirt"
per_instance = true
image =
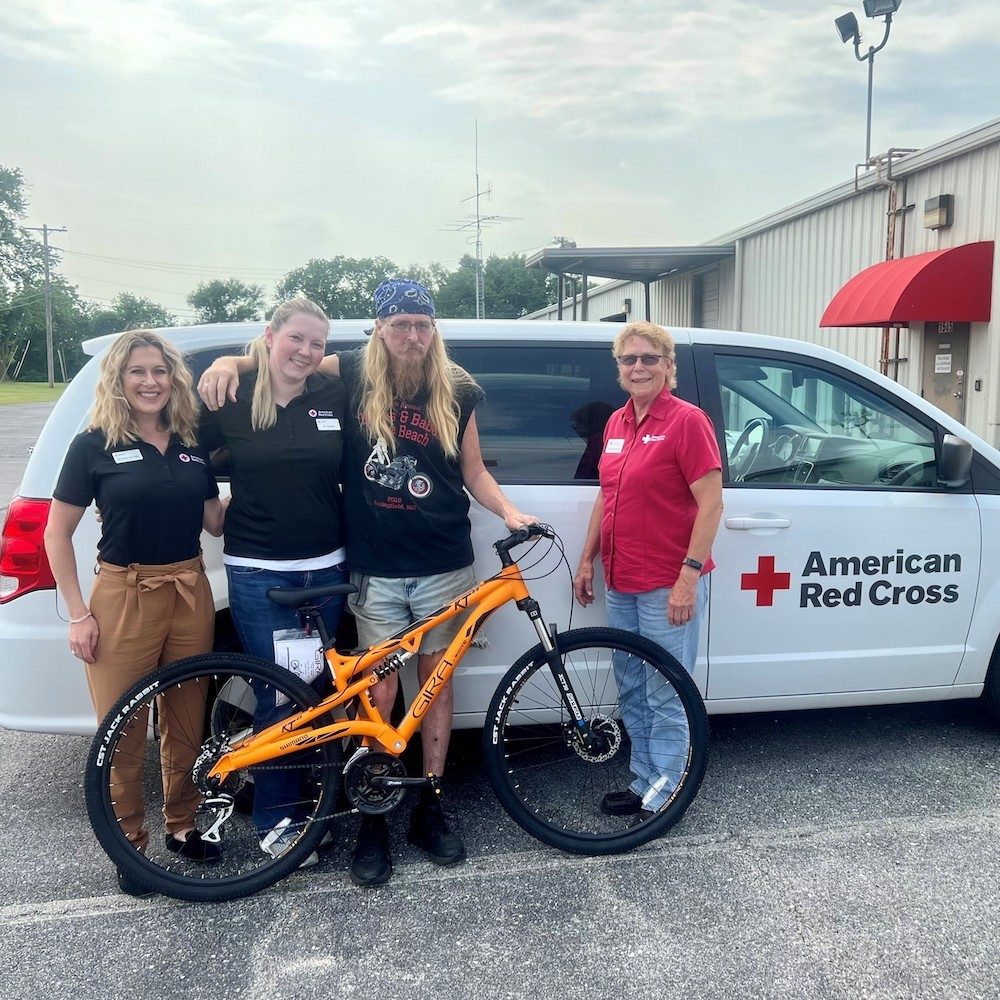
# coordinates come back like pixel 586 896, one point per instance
pixel 765 581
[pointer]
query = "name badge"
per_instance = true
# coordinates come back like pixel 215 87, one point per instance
pixel 615 446
pixel 327 424
pixel 133 455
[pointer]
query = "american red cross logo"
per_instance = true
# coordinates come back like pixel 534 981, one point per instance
pixel 765 581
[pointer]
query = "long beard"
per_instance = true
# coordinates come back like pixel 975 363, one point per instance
pixel 407 379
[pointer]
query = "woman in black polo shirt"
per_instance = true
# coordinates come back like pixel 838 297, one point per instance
pixel 151 603
pixel 284 525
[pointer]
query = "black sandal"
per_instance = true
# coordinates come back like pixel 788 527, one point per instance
pixel 194 847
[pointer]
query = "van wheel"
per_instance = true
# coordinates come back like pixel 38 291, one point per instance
pixel 991 692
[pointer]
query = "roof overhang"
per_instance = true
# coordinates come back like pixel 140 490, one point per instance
pixel 628 263
pixel 943 285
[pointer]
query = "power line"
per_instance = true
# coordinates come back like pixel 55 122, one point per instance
pixel 22 300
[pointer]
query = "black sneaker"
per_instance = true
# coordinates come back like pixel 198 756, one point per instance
pixel 371 864
pixel 430 832
pixel 623 803
pixel 131 886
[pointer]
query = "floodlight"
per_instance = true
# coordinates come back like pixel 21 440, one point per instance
pixel 879 8
pixel 847 25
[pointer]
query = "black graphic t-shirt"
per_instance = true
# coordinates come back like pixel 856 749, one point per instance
pixel 408 512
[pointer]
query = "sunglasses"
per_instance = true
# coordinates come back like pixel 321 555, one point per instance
pixel 649 360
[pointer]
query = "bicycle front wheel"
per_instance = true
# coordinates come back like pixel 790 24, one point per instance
pixel 624 780
pixel 139 774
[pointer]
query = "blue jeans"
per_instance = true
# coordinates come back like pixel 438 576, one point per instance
pixel 652 712
pixel 278 793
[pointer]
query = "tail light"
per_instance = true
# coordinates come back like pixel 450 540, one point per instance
pixel 24 567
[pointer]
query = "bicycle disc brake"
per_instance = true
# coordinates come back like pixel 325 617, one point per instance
pixel 605 739
pixel 368 782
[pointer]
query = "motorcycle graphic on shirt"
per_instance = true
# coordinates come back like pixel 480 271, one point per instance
pixel 397 473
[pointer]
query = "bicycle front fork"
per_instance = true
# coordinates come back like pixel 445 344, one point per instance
pixel 549 639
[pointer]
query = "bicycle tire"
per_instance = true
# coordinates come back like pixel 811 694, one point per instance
pixel 551 785
pixel 226 682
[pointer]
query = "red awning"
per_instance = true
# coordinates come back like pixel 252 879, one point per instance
pixel 934 287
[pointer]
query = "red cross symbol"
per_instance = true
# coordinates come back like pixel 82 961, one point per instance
pixel 765 581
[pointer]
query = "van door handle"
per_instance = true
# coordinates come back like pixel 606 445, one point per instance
pixel 749 523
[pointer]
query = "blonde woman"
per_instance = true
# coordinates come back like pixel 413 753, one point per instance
pixel 284 525
pixel 151 603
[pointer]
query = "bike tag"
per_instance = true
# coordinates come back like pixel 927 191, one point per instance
pixel 615 446
pixel 327 424
pixel 299 653
pixel 132 455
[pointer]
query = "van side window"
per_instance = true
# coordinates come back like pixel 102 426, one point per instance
pixel 791 423
pixel 543 417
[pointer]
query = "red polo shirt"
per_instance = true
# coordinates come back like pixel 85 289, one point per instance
pixel 649 510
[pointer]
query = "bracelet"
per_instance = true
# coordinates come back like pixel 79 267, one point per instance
pixel 76 621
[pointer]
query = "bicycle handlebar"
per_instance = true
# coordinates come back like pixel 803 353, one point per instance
pixel 522 535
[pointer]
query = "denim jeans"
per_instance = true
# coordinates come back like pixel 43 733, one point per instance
pixel 652 712
pixel 277 793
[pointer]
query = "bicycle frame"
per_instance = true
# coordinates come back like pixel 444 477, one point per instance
pixel 354 676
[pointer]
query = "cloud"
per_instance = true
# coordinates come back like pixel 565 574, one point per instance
pixel 636 69
pixel 120 36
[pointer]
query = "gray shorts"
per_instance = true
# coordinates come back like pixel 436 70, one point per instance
pixel 384 605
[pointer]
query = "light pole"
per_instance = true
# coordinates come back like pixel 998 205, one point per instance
pixel 847 25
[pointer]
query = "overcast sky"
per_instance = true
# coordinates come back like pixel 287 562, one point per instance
pixel 244 137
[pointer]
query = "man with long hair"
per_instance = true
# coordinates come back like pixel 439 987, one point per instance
pixel 411 452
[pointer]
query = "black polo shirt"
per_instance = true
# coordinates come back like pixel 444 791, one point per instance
pixel 286 480
pixel 152 505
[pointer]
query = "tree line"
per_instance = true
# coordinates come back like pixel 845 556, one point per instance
pixel 342 285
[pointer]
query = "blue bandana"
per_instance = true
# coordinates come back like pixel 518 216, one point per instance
pixel 400 295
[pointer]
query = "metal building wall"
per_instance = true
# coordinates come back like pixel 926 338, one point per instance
pixel 791 271
pixel 974 180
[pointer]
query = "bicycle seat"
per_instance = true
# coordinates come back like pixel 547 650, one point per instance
pixel 296 597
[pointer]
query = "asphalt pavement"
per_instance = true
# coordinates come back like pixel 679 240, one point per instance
pixel 848 853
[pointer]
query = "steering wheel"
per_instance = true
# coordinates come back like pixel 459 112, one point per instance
pixel 745 451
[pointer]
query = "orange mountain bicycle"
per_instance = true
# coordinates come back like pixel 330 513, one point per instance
pixel 566 725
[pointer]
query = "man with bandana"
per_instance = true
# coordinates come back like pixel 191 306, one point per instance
pixel 411 452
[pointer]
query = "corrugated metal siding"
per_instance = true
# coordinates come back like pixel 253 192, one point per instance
pixel 708 308
pixel 791 272
pixel 670 300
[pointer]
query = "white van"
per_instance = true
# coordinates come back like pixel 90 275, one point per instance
pixel 853 559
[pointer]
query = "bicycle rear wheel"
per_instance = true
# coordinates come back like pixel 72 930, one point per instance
pixel 649 730
pixel 209 701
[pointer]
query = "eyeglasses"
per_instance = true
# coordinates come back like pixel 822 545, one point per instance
pixel 405 325
pixel 649 360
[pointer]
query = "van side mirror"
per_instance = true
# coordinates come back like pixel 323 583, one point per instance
pixel 955 464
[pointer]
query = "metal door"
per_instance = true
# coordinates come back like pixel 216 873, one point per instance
pixel 946 366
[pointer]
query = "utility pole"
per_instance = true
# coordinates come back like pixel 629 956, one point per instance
pixel 49 360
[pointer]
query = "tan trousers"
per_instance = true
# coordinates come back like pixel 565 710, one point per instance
pixel 150 616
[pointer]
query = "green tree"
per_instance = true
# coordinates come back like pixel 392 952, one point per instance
pixel 431 277
pixel 229 301
pixel 510 290
pixel 129 312
pixel 22 258
pixel 343 286
pixel 23 325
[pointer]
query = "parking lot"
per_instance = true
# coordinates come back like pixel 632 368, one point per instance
pixel 847 853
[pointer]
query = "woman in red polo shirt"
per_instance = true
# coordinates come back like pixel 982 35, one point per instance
pixel 653 523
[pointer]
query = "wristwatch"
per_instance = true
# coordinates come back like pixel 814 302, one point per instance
pixel 693 563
